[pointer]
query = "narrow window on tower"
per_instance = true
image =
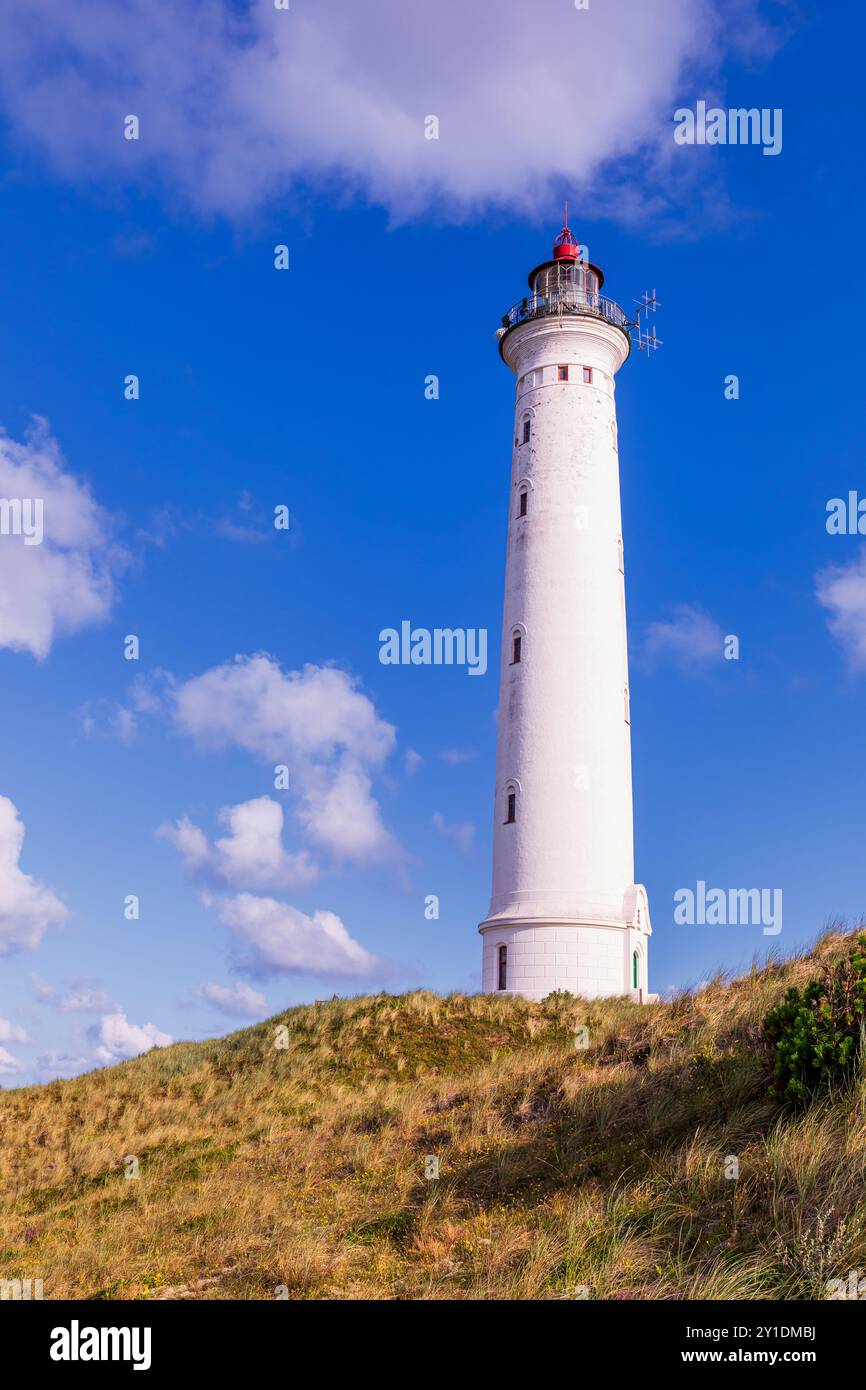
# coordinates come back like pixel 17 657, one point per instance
pixel 503 967
pixel 627 706
pixel 516 643
pixel 527 426
pixel 634 969
pixel 511 807
pixel 587 375
pixel 522 501
pixel 562 373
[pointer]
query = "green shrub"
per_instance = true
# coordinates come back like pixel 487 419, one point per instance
pixel 816 1033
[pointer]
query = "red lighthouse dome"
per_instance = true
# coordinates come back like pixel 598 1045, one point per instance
pixel 565 248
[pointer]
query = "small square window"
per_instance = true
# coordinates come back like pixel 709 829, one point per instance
pixel 587 375
pixel 562 373
pixel 527 425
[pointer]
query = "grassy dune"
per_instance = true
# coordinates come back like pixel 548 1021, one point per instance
pixel 560 1168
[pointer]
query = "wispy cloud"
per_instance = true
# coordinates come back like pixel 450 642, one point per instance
pixel 81 996
pixel 455 757
pixel 692 641
pixel 85 1000
pixel 56 1062
pixel 241 1002
pixel 461 833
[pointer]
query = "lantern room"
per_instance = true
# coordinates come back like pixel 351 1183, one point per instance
pixel 567 278
pixel 566 284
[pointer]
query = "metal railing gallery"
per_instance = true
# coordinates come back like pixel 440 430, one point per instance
pixel 567 300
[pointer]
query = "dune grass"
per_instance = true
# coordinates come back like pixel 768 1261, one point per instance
pixel 564 1171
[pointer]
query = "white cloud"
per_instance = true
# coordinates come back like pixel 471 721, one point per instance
pixel 251 855
pixel 317 722
pixel 274 937
pixel 251 703
pixel 461 833
pixel 240 104
pixel 9 1065
pixel 243 1001
pixel 67 581
pixel 339 813
pixel 27 907
pixel 842 590
pixel 412 761
pixel 116 1038
pixel 692 641
pixel 10 1032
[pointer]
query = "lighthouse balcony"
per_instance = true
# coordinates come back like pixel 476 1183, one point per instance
pixel 566 300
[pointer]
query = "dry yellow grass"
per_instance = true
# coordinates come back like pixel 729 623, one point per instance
pixel 562 1171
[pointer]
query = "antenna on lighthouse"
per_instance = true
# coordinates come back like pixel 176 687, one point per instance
pixel 647 304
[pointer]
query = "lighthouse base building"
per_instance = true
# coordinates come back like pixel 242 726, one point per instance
pixel 565 912
pixel 588 957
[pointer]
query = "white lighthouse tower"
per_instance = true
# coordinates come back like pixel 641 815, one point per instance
pixel 565 913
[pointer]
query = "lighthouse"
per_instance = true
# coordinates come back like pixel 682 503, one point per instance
pixel 565 912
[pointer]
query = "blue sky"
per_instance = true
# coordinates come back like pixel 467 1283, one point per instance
pixel 306 388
